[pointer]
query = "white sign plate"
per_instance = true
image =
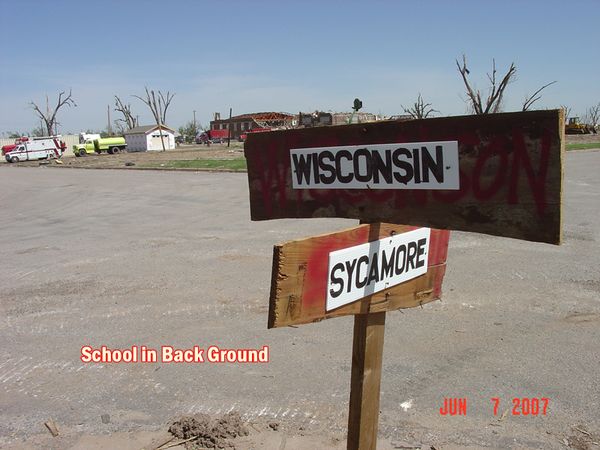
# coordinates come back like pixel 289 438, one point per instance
pixel 362 270
pixel 413 165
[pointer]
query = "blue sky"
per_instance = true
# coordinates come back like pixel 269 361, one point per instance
pixel 288 55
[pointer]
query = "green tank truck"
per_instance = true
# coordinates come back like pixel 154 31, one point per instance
pixel 110 145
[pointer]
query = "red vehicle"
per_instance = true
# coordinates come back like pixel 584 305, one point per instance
pixel 45 148
pixel 10 147
pixel 24 139
pixel 214 136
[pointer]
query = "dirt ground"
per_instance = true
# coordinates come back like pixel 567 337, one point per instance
pixel 264 436
pixel 137 160
pixel 122 258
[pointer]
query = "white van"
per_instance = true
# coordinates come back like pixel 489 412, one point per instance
pixel 37 149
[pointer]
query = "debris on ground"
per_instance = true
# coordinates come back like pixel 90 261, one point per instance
pixel 58 161
pixel 105 418
pixel 274 426
pixel 51 425
pixel 201 432
pixel 129 164
pixel 582 439
pixel 407 446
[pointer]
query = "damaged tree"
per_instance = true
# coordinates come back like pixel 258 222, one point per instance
pixel 592 117
pixel 420 109
pixel 535 97
pixel 128 121
pixel 497 89
pixel 158 104
pixel 49 117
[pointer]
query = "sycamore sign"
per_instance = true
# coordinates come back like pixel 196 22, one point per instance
pixel 358 271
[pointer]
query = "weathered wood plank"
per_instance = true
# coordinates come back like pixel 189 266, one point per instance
pixel 510 175
pixel 300 274
pixel 365 381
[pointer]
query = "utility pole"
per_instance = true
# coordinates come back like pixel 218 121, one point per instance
pixel 108 128
pixel 229 128
pixel 194 119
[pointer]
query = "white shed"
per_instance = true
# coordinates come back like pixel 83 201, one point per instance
pixel 147 138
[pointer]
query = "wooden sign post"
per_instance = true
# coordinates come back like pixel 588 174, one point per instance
pixel 365 381
pixel 498 174
pixel 409 264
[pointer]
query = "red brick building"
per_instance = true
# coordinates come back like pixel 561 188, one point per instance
pixel 247 122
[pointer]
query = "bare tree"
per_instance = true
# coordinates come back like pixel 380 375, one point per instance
pixel 128 121
pixel 493 102
pixel 592 117
pixel 535 97
pixel 119 128
pixel 49 116
pixel 158 104
pixel 496 90
pixel 39 132
pixel 420 109
pixel 567 110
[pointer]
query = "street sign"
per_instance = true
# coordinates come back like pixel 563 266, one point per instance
pixel 365 269
pixel 499 174
pixel 507 183
pixel 414 165
pixel 369 268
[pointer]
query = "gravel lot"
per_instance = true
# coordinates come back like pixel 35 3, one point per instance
pixel 122 258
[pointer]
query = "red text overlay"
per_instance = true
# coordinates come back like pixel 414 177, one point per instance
pixel 519 406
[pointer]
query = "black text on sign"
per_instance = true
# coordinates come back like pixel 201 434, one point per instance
pixel 414 165
pixel 362 270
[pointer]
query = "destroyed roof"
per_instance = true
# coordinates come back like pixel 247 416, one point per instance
pixel 269 115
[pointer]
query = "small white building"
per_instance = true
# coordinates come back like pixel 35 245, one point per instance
pixel 147 138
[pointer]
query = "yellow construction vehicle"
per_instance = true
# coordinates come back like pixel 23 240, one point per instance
pixel 574 126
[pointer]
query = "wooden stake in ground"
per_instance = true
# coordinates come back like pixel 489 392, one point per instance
pixel 365 379
pixel 367 356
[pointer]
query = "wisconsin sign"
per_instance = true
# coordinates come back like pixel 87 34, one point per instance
pixel 499 174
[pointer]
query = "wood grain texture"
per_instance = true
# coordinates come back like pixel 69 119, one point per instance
pixel 511 168
pixel 300 268
pixel 365 381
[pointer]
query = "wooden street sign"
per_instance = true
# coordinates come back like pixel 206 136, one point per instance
pixel 499 174
pixel 365 269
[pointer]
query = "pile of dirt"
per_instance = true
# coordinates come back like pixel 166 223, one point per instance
pixel 208 433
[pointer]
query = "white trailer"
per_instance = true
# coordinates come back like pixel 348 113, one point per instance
pixel 38 149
